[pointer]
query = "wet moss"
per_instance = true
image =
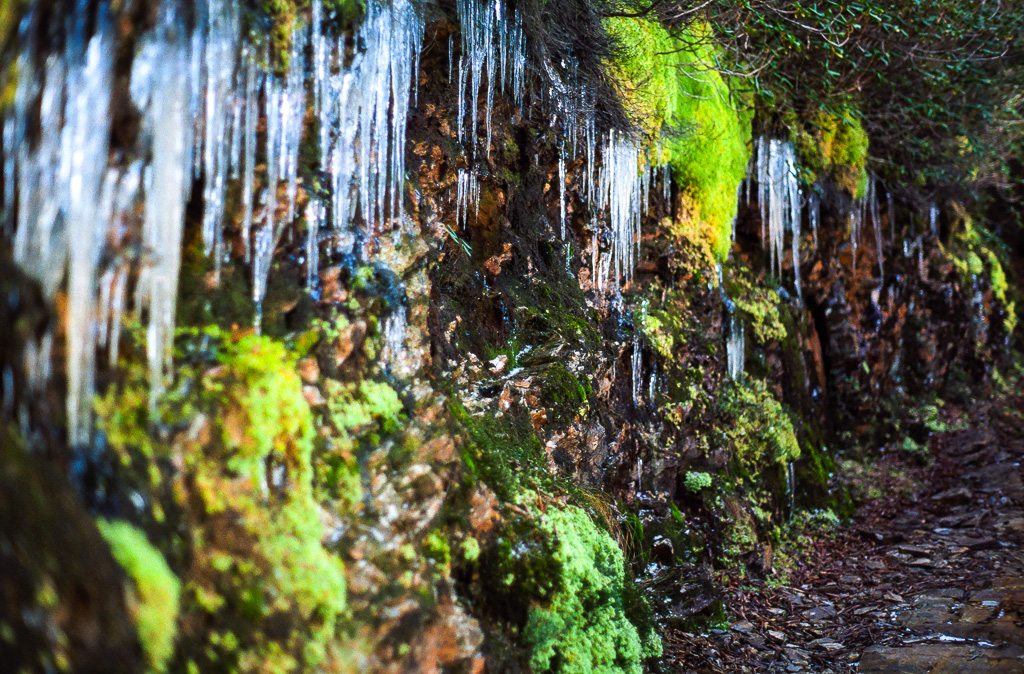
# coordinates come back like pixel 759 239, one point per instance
pixel 674 90
pixel 585 627
pixel 157 589
pixel 758 430
pixel 834 144
pixel 563 395
pixel 246 519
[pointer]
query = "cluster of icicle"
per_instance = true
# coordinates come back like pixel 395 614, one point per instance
pixel 778 185
pixel 863 210
pixel 492 58
pixel 72 208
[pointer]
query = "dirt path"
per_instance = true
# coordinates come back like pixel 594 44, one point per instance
pixel 930 582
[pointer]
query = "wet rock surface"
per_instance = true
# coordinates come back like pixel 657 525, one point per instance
pixel 928 578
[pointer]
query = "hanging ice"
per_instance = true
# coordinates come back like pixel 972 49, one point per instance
pixel 636 365
pixel 362 108
pixel 779 197
pixel 467 196
pixel 205 103
pixel 493 55
pixel 871 199
pixel 623 185
pixel 735 346
pixel 62 187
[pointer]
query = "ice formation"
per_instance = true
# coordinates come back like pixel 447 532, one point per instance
pixel 779 198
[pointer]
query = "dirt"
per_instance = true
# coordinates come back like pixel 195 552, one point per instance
pixel 927 577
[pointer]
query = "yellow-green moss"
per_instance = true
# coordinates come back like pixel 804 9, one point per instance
pixel 835 144
pixel 244 483
pixel 759 431
pixel 585 627
pixel 676 94
pixel 157 589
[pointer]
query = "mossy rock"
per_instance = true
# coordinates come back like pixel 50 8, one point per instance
pixel 834 144
pixel 699 123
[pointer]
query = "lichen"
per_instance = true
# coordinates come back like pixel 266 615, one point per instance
pixel 585 627
pixel 674 89
pixel 156 593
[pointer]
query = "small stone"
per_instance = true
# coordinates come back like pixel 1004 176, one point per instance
pixel 498 364
pixel 743 627
pixel 954 496
pixel 313 396
pixel 309 370
pixel 821 613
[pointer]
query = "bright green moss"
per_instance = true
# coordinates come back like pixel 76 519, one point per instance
pixel 695 481
pixel 835 144
pixel 361 409
pixel 585 627
pixel 156 589
pixel 674 91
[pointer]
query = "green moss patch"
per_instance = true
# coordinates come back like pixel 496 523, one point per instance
pixel 157 589
pixel 673 88
pixel 585 627
pixel 835 144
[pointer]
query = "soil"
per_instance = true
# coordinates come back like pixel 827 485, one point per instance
pixel 928 577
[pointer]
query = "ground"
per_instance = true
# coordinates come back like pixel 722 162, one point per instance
pixel 927 577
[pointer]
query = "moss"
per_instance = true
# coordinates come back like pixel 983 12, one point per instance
pixel 675 92
pixel 585 627
pixel 759 431
pixel 157 589
pixel 435 546
pixel 835 144
pixel 358 409
pixel 759 305
pixel 695 481
pixel 244 487
pixel 470 550
pixel 562 393
pixel 504 452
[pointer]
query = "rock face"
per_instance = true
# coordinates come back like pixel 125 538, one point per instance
pixel 491 384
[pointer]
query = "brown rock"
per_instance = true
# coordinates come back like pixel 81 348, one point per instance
pixel 309 370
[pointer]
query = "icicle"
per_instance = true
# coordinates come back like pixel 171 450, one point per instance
pixel 314 216
pixel 623 181
pixel 636 363
pixel 735 346
pixel 161 87
pixel 871 197
pixel 285 107
pixel 64 191
pixel 220 63
pixel 561 189
pixel 493 56
pixel 395 326
pixel 362 110
pixel 892 216
pixel 467 196
pixel 779 198
pixel 814 214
